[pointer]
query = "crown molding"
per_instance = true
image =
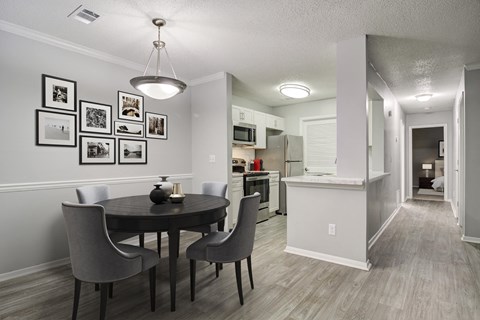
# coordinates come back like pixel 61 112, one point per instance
pixel 67 45
pixel 209 78
pixel 472 66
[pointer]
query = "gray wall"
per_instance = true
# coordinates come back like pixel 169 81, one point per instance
pixel 211 120
pixel 425 150
pixel 472 153
pixel 384 195
pixel 34 180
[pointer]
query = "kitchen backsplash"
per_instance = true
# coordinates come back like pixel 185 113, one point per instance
pixel 244 153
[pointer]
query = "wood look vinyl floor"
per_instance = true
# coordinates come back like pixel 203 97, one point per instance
pixel 421 270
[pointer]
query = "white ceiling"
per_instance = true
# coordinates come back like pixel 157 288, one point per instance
pixel 416 46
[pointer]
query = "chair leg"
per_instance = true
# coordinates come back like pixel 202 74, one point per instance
pixel 238 273
pixel 153 287
pixel 250 275
pixel 159 244
pixel 76 298
pixel 193 272
pixel 103 300
pixel 141 240
pixel 217 269
pixel 110 290
pixel 97 287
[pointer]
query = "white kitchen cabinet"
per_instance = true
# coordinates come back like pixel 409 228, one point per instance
pixel 237 195
pixel 274 200
pixel 244 115
pixel 275 122
pixel 260 119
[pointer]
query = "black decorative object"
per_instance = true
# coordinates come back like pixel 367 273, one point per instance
pixel 158 195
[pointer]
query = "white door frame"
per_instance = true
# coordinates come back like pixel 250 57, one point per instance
pixel 403 194
pixel 446 170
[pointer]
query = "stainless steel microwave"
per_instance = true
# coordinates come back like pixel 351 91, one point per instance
pixel 244 133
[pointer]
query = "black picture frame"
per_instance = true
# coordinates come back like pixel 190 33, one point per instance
pixel 156 125
pixel 59 93
pixel 97 150
pixel 128 129
pixel 130 106
pixel 95 117
pixel 441 148
pixel 132 151
pixel 55 129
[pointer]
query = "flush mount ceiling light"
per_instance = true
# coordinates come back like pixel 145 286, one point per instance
pixel 294 91
pixel 157 86
pixel 423 97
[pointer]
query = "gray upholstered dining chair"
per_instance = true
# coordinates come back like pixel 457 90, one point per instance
pixel 95 258
pixel 223 247
pixel 213 188
pixel 95 193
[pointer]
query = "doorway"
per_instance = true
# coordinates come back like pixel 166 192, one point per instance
pixel 427 165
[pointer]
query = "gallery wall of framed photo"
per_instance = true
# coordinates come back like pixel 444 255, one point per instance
pixel 97 131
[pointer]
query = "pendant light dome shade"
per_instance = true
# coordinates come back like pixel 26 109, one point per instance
pixel 156 86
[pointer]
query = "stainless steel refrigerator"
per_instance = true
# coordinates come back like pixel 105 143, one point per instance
pixel 284 153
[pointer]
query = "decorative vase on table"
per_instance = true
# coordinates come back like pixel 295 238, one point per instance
pixel 166 186
pixel 158 195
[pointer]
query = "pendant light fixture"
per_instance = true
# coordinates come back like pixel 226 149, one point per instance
pixel 157 86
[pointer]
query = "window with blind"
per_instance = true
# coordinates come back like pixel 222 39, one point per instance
pixel 320 145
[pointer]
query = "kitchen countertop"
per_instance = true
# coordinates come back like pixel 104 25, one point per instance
pixel 327 181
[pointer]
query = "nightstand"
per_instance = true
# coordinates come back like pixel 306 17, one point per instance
pixel 425 183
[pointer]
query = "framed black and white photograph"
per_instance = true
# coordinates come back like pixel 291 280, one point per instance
pixel 155 125
pixel 128 129
pixel 97 150
pixel 130 106
pixel 59 93
pixel 95 117
pixel 132 151
pixel 441 149
pixel 56 129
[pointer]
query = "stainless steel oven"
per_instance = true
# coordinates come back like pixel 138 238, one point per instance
pixel 258 182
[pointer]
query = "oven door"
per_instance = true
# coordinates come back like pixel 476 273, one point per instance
pixel 258 184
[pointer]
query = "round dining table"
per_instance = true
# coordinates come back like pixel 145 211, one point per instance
pixel 138 214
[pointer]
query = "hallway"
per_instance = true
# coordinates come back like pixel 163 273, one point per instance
pixel 432 274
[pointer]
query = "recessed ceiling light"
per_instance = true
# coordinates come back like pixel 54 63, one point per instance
pixel 294 91
pixel 423 97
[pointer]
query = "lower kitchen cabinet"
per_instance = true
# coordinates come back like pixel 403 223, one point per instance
pixel 274 201
pixel 237 195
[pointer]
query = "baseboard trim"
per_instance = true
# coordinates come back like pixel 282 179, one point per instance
pixel 366 266
pixel 454 209
pixel 377 235
pixel 57 263
pixel 45 185
pixel 33 269
pixel 470 239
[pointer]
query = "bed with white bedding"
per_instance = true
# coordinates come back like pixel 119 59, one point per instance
pixel 439 181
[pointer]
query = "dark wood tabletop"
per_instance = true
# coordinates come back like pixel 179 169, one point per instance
pixel 139 214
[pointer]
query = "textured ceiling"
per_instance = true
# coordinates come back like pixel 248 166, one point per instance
pixel 416 46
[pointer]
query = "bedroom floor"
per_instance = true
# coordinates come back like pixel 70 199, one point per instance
pixel 426 196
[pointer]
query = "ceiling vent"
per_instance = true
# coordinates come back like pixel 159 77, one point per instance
pixel 83 15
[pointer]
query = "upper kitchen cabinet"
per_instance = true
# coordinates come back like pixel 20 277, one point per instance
pixel 261 123
pixel 275 122
pixel 244 115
